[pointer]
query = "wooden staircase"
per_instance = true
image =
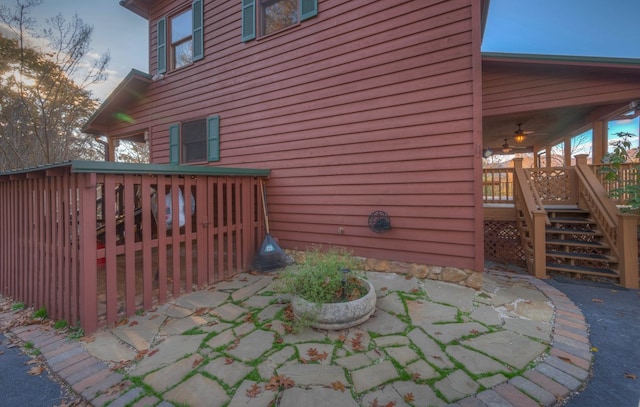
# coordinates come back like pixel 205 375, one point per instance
pixel 576 247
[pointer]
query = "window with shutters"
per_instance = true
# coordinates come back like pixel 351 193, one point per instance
pixel 264 17
pixel 195 141
pixel 276 15
pixel 181 30
pixel 180 38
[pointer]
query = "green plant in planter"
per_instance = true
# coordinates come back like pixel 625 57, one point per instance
pixel 623 153
pixel 324 277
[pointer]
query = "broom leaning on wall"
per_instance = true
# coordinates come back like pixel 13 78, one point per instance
pixel 271 256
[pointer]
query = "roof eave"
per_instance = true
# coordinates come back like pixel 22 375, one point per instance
pixel 567 60
pixel 140 7
pixel 135 82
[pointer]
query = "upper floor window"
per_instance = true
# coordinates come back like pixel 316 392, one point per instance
pixel 184 36
pixel 274 15
pixel 181 28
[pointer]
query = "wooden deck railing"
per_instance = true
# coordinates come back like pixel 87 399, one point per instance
pixel 628 175
pixel 81 238
pixel 530 206
pixel 497 183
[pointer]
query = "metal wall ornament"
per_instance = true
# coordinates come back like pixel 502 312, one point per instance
pixel 379 221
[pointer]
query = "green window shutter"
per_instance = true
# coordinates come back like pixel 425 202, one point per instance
pixel 198 37
pixel 162 45
pixel 213 138
pixel 174 144
pixel 308 9
pixel 248 20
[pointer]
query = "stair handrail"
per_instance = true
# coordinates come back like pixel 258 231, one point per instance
pixel 528 201
pixel 619 229
pixel 602 209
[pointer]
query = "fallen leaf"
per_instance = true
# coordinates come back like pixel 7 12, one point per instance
pixel 36 371
pixel 201 311
pixel 594 349
pixel 196 362
pixel 133 323
pixel 409 397
pixel 338 385
pixel 630 376
pixel 153 352
pixel 564 359
pixel 254 391
pixel 228 361
pixel 141 354
pixel 416 376
pixel 278 382
pixel 597 300
pixel 154 316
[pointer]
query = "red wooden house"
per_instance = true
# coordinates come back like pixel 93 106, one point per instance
pixel 358 107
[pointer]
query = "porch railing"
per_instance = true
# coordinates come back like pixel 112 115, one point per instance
pixel 93 242
pixel 497 183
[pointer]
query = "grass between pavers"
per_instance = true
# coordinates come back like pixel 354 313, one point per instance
pixel 339 350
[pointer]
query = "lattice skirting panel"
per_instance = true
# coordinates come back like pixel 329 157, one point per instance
pixel 502 243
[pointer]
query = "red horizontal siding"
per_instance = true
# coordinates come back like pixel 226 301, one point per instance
pixel 368 106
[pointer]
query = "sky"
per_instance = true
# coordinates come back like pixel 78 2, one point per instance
pixel 608 28
pixel 117 30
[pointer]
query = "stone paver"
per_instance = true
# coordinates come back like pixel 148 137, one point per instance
pixel 441 334
pixel 198 391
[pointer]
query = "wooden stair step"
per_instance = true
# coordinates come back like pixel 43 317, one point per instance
pixel 578 221
pixel 573 232
pixel 582 256
pixel 594 271
pixel 577 243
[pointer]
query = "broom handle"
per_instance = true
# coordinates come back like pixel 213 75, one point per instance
pixel 264 204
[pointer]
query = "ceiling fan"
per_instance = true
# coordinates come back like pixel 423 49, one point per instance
pixel 520 135
pixel 506 148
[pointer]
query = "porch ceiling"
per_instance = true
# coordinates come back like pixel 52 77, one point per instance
pixel 549 126
pixel 553 118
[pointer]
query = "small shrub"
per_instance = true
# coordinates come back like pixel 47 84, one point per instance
pixel 61 324
pixel 41 313
pixel 623 152
pixel 17 306
pixel 324 277
pixel 75 332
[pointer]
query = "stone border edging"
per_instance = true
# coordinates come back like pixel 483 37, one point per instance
pixel 564 371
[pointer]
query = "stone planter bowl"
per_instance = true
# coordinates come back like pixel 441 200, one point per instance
pixel 339 315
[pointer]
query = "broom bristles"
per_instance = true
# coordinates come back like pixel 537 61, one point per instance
pixel 271 256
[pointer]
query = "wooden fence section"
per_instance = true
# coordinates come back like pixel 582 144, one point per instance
pixel 93 242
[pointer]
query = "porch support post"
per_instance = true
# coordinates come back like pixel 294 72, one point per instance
pixel 627 241
pixel 539 244
pixel 567 152
pixel 599 140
